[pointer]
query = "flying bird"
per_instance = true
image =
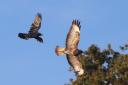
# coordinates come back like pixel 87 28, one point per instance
pixel 71 50
pixel 33 32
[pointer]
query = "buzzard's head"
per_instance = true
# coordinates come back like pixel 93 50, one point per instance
pixel 80 52
pixel 23 36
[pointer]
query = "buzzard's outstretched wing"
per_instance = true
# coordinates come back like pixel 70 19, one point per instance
pixel 36 24
pixel 73 36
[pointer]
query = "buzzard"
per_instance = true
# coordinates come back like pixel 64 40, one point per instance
pixel 71 49
pixel 33 32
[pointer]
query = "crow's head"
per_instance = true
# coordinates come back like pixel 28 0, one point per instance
pixel 23 36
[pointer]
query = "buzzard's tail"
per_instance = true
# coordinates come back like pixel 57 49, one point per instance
pixel 39 39
pixel 23 35
pixel 59 51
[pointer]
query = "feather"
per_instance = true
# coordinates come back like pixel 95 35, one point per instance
pixel 59 51
pixel 73 36
pixel 39 39
pixel 36 24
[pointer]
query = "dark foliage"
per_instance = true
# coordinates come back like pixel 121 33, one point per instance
pixel 115 72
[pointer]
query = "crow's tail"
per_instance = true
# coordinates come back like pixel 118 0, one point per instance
pixel 39 39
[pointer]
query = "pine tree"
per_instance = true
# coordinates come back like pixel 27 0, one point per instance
pixel 106 67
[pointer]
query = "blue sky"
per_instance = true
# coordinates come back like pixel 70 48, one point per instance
pixel 31 63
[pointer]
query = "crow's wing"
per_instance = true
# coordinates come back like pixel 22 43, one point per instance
pixel 36 24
